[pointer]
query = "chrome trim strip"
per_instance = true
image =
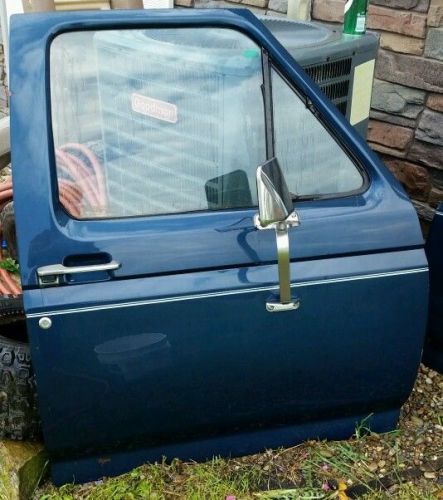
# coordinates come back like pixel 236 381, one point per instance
pixel 231 292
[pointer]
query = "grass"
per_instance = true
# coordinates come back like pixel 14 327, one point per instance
pixel 407 491
pixel 4 485
pixel 210 480
pixel 314 470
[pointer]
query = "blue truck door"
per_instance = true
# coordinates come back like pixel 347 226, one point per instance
pixel 433 354
pixel 136 137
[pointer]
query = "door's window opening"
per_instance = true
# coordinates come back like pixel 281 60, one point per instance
pixel 313 162
pixel 150 122
pixel 163 121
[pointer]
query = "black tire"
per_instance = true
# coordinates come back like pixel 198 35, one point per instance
pixel 18 396
pixel 11 310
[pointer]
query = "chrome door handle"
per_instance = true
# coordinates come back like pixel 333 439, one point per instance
pixel 49 275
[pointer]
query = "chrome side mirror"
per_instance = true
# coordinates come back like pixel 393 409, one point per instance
pixel 275 210
pixel 274 199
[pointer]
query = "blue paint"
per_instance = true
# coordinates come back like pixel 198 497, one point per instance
pixel 177 348
pixel 213 237
pixel 433 354
pixel 229 365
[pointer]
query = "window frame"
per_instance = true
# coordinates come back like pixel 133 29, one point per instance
pixel 51 143
pixel 268 64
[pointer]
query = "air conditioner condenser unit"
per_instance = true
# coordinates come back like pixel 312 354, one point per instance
pixel 342 65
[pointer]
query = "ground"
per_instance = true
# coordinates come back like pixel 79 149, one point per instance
pixel 405 464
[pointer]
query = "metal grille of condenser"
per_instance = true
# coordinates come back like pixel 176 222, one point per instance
pixel 334 79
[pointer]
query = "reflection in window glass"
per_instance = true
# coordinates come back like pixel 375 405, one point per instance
pixel 156 121
pixel 312 161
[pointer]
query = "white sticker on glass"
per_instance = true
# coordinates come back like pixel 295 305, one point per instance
pixel 148 106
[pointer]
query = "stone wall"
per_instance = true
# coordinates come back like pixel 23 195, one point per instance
pixel 406 126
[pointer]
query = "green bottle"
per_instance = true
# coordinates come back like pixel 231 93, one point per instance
pixel 355 17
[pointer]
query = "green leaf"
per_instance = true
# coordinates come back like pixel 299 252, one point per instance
pixel 10 265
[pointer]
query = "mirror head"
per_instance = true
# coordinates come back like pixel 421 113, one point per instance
pixel 274 199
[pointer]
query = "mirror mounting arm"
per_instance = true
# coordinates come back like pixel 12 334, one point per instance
pixel 286 301
pixel 284 273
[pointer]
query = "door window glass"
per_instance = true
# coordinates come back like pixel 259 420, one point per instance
pixel 313 162
pixel 160 121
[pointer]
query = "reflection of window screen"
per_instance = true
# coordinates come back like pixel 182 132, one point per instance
pixel 169 111
pixel 312 161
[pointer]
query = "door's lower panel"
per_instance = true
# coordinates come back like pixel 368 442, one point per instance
pixel 198 357
pixel 246 443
